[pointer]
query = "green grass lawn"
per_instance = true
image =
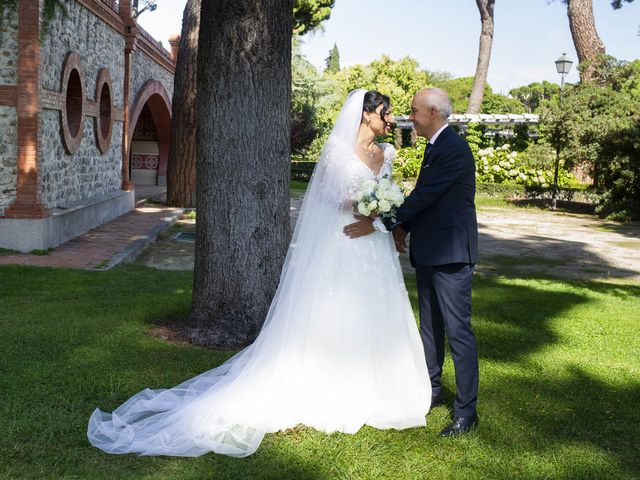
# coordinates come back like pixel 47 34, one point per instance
pixel 298 185
pixel 560 385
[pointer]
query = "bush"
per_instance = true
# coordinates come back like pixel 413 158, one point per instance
pixel 501 165
pixel 407 163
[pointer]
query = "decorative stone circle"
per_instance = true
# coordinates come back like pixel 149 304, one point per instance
pixel 72 113
pixel 104 121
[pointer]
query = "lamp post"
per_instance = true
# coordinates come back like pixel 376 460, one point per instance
pixel 563 65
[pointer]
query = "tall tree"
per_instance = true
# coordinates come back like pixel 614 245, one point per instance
pixel 485 7
pixel 308 15
pixel 181 169
pixel 243 163
pixel 585 36
pixel 333 60
pixel 618 3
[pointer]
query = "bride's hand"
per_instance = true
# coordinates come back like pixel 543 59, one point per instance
pixel 364 226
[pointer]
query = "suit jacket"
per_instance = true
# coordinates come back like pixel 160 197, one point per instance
pixel 440 212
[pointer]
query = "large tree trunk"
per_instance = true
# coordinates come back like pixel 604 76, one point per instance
pixel 181 170
pixel 243 166
pixel 585 36
pixel 484 55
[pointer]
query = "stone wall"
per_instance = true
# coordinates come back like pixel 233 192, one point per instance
pixel 69 180
pixel 143 68
pixel 9 48
pixel 99 46
pixel 8 156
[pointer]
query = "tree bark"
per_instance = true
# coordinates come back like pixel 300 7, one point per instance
pixel 181 169
pixel 585 36
pixel 485 7
pixel 243 166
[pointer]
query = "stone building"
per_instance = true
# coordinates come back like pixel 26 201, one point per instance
pixel 85 113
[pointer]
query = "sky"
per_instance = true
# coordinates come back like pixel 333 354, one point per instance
pixel 529 35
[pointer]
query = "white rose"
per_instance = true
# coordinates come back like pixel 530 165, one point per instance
pixel 384 206
pixel 362 210
pixel 372 205
pixel 369 185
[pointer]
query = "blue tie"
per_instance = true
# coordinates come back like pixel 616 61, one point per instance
pixel 427 149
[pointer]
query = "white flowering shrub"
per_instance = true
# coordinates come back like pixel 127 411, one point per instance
pixel 501 165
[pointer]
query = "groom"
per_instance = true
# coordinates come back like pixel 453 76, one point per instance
pixel 440 214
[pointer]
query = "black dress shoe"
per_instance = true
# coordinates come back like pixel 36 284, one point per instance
pixel 459 425
pixel 436 402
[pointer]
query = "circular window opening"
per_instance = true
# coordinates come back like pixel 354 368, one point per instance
pixel 105 110
pixel 74 103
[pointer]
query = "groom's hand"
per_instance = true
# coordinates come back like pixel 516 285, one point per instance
pixel 400 239
pixel 364 226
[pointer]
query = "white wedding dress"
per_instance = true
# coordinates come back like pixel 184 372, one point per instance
pixel 339 348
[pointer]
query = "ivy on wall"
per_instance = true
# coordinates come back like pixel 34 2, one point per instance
pixel 49 11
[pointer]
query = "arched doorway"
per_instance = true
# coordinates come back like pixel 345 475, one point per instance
pixel 150 135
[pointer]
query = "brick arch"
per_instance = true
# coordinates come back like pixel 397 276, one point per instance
pixel 156 97
pixel 73 108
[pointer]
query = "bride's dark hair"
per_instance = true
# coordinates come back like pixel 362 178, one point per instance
pixel 373 99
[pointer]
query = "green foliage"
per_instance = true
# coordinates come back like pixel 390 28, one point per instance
pixel 475 138
pixel 48 12
pixel 521 141
pixel 309 14
pixel 333 60
pixel 596 124
pixel 498 103
pixel 532 95
pixel 406 166
pixel 503 190
pixel 459 89
pixel 618 3
pixel 400 79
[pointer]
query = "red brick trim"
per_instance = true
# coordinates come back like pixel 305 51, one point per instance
pixel 118 114
pixel 149 89
pixel 8 95
pixel 51 100
pixel 104 110
pixel 126 184
pixel 27 204
pixel 73 108
pixel 151 47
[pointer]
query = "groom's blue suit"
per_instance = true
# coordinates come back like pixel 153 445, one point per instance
pixel 440 214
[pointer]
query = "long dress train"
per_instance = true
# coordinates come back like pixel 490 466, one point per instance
pixel 339 348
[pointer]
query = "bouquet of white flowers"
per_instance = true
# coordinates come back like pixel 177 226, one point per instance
pixel 381 197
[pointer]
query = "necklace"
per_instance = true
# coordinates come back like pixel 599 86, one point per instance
pixel 370 153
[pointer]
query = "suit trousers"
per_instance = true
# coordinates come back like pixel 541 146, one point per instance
pixel 444 296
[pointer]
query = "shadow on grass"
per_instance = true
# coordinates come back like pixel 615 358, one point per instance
pixel 515 318
pixel 73 341
pixel 539 415
pixel 561 205
pixel 546 253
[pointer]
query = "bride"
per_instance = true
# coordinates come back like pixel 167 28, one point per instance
pixel 339 348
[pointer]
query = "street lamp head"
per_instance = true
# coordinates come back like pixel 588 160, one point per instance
pixel 563 64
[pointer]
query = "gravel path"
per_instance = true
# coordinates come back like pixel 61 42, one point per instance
pixel 513 241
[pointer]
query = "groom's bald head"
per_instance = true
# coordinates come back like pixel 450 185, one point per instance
pixel 430 109
pixel 435 98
